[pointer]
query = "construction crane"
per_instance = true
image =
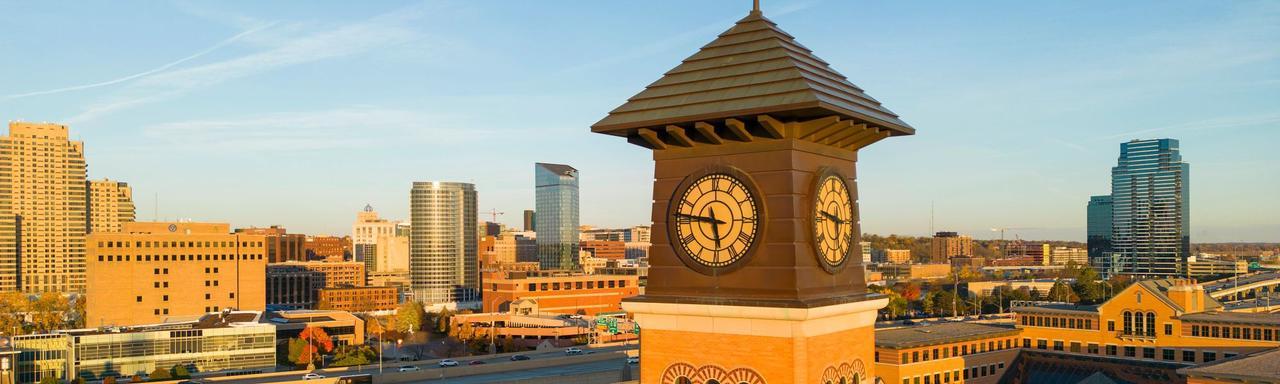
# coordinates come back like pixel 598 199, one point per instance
pixel 493 213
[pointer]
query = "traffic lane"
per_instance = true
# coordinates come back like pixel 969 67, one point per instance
pixel 561 370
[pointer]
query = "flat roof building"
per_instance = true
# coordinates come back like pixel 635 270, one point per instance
pixel 152 272
pixel 43 215
pixel 558 292
pixel 110 205
pixel 336 274
pixel 359 299
pixel 281 245
pixel 945 353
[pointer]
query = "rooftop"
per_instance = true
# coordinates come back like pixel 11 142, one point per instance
pixel 1233 317
pixel 1261 366
pixel 209 321
pixel 1061 308
pixel 924 335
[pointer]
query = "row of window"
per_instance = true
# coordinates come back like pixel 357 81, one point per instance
pixel 953 351
pixel 534 287
pixel 1134 324
pixel 1167 354
pixel 178 257
pixel 1242 333
pixel 954 376
pixel 1056 322
pixel 176 244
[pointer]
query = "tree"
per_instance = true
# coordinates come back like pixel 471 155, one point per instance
pixel 296 348
pixel 317 343
pixel 135 379
pixel 180 372
pixel 49 311
pixel 353 355
pixel 442 320
pixel 12 307
pixel 410 316
pixel 897 306
pixel 160 374
pixel 911 291
pixel 77 311
pixel 109 380
pixel 1062 292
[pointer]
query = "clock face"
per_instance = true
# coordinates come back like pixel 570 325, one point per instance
pixel 715 220
pixel 834 220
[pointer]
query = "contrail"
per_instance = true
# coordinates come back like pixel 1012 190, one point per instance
pixel 149 72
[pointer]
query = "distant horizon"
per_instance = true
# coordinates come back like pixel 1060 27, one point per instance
pixel 273 114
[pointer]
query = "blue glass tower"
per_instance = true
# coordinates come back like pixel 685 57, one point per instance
pixel 556 221
pixel 1150 221
pixel 1099 233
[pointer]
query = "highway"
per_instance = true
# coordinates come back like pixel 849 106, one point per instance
pixel 435 372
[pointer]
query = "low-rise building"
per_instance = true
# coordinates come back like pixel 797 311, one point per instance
pixel 1198 266
pixel 226 342
pixel 281 245
pixel 987 288
pixel 601 249
pixel 1257 367
pixel 1159 321
pixel 336 274
pixel 1065 255
pixel 945 353
pixel 915 271
pixel 293 286
pixel 343 327
pixel 329 248
pixel 152 272
pixel 359 299
pixel 897 256
pixel 557 292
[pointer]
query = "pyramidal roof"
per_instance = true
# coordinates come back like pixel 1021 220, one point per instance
pixel 753 68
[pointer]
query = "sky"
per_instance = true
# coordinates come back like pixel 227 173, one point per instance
pixel 298 114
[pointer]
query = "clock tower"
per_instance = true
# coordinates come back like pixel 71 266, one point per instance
pixel 755 269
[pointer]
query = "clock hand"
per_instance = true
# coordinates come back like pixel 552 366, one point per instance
pixel 700 218
pixel 832 217
pixel 715 227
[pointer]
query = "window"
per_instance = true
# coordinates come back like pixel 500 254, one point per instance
pixel 533 287
pixel 915 356
pixel 207 297
pixel 1075 347
pixel 165 298
pixel 1166 354
pixel 1042 344
pixel 1189 356
pixel 1111 350
pixel 1111 325
pixel 1130 351
pixel 1057 345
pixel 1093 349
pixel 1168 329
pixel 1026 343
pixel 1210 356
pixel 139 299
pixel 1088 324
pixel 1148 353
pixel 1151 324
pixel 1195 331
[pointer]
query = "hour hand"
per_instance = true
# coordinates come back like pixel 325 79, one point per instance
pixel 700 218
pixel 832 217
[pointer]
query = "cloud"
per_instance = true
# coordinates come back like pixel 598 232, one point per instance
pixel 378 32
pixel 1216 123
pixel 161 68
pixel 343 128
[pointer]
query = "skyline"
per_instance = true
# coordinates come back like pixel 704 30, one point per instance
pixel 229 82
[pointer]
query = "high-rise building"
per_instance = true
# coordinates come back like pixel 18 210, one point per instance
pixel 110 205
pixel 365 234
pixel 946 245
pixel 443 265
pixel 529 220
pixel 1099 232
pixel 1151 217
pixel 151 272
pixel 282 246
pixel 557 219
pixel 42 212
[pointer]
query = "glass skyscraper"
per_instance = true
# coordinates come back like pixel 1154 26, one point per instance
pixel 1150 220
pixel 556 220
pixel 443 265
pixel 1099 233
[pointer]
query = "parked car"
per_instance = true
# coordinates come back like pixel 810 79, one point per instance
pixel 633 359
pixel 448 363
pixel 312 376
pixel 410 368
pixel 573 351
pixel 475 362
pixel 519 357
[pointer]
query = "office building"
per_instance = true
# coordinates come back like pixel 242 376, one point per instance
pixel 946 245
pixel 529 220
pixel 359 299
pixel 216 344
pixel 1151 210
pixel 443 253
pixel 43 213
pixel 341 326
pixel 556 192
pixel 328 248
pixel 336 274
pixel 1065 255
pixel 605 249
pixel 110 205
pixel 897 256
pixel 945 353
pixel 293 286
pixel 281 245
pixel 1201 267
pixel 153 272
pixel 637 234
pixel 365 234
pixel 557 292
pixel 1099 234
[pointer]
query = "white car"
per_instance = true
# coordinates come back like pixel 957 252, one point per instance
pixel 448 363
pixel 312 376
pixel 410 368
pixel 573 351
pixel 633 359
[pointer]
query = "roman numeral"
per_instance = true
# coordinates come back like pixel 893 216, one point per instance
pixel 744 237
pixel 688 239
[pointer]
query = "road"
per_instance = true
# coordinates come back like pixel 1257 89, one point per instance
pixel 614 365
pixel 433 365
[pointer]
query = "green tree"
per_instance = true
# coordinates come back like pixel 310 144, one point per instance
pixel 49 311
pixel 897 306
pixel 442 320
pixel 410 316
pixel 160 374
pixel 12 307
pixel 296 348
pixel 180 372
pixel 1062 292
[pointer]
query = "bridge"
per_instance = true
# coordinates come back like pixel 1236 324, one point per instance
pixel 1253 285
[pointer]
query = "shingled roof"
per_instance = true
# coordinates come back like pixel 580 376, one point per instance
pixel 754 68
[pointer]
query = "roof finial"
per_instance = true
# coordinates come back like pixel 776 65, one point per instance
pixel 755 6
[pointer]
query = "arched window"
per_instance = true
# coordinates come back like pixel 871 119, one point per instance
pixel 1128 322
pixel 713 381
pixel 683 380
pixel 1138 325
pixel 856 379
pixel 1151 323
